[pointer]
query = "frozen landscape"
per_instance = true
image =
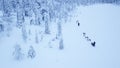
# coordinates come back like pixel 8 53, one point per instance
pixel 59 34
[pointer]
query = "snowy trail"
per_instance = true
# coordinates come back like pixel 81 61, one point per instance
pixel 101 23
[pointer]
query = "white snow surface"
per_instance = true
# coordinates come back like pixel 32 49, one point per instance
pixel 101 23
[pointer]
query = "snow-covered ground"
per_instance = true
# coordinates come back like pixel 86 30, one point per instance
pixel 101 24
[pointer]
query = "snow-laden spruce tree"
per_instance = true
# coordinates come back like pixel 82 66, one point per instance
pixel 31 52
pixel 18 54
pixel 6 8
pixel 20 13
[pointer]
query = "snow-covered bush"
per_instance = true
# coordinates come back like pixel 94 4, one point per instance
pixel 31 52
pixel 18 54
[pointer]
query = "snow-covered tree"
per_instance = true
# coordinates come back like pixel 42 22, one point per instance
pixel 31 52
pixel 36 10
pixel 18 54
pixel 24 34
pixel 20 13
pixel 6 8
pixel 28 6
pixel 1 27
pixel 61 45
pixel 36 37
